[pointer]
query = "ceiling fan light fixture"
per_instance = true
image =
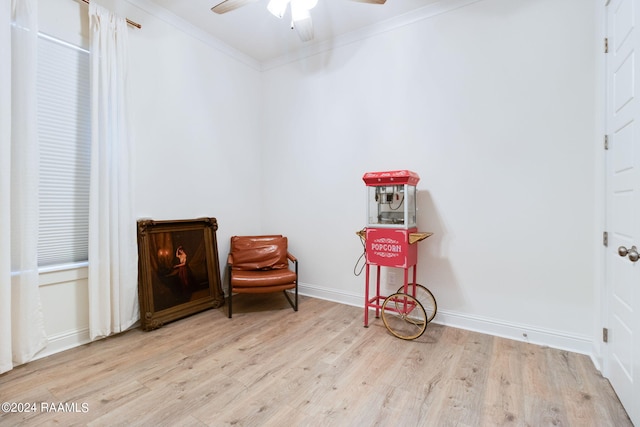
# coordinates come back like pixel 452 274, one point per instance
pixel 300 15
pixel 278 7
pixel 298 11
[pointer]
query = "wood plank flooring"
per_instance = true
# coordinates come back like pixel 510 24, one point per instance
pixel 271 366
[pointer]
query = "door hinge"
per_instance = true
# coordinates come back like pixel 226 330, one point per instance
pixel 605 335
pixel 606 142
pixel 605 239
pixel 606 45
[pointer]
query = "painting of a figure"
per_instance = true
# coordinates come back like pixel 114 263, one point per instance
pixel 181 274
pixel 187 279
pixel 178 267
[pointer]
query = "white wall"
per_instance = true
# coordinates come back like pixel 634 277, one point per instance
pixel 493 105
pixel 196 151
pixel 197 146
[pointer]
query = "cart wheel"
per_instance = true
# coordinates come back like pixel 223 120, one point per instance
pixel 404 316
pixel 425 297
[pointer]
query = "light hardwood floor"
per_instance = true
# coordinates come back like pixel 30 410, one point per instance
pixel 270 366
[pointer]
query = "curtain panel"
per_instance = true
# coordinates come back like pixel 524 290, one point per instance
pixel 113 254
pixel 6 359
pixel 22 332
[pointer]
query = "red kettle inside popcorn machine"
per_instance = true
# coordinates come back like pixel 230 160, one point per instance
pixel 390 240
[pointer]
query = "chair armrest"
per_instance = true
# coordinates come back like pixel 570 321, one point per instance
pixel 229 259
pixel 291 257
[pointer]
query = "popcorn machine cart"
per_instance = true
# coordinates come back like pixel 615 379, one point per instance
pixel 390 240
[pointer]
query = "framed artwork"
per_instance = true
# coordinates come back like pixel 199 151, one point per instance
pixel 179 273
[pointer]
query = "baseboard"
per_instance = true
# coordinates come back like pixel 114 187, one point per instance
pixel 64 341
pixel 519 332
pixel 331 295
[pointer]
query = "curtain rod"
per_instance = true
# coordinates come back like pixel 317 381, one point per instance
pixel 130 22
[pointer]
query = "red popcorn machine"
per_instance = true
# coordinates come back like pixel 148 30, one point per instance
pixel 390 240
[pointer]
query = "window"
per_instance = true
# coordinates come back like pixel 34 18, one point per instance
pixel 64 132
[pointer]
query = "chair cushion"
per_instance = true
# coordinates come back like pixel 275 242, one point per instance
pixel 259 252
pixel 262 278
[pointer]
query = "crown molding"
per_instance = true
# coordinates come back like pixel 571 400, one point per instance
pixel 426 12
pixel 211 41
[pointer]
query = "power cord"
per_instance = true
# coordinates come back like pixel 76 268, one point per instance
pixel 357 272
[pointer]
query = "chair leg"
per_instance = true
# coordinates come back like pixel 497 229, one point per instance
pixel 286 294
pixel 293 304
pixel 229 290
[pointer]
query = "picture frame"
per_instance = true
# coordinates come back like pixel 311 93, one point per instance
pixel 178 269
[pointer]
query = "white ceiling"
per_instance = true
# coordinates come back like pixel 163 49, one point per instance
pixel 253 31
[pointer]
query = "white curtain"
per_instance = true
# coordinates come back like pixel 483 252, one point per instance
pixel 5 189
pixel 22 332
pixel 113 256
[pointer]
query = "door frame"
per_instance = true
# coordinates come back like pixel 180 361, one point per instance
pixel 600 294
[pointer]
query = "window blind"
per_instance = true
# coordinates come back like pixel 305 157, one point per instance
pixel 64 132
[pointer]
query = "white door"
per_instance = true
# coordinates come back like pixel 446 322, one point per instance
pixel 622 361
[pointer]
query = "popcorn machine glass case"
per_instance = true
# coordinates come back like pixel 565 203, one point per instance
pixel 391 199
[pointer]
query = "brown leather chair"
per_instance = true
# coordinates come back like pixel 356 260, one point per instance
pixel 260 264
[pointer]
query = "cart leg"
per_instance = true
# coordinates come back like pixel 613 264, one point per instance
pixel 366 298
pixel 414 285
pixel 415 274
pixel 406 280
pixel 378 293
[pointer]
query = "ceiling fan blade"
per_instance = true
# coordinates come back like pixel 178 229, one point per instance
pixel 371 1
pixel 229 5
pixel 301 20
pixel 304 28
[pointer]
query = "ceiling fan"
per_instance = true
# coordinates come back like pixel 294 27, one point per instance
pixel 300 12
